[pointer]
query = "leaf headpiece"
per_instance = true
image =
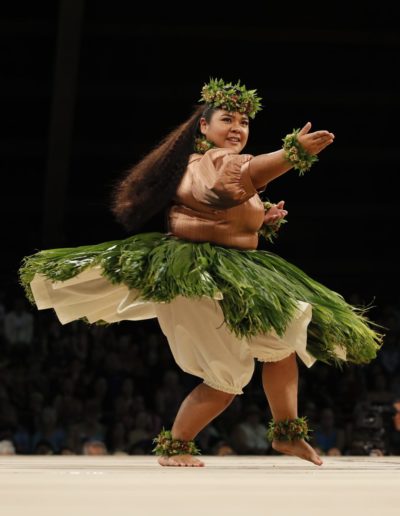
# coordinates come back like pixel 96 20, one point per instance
pixel 232 97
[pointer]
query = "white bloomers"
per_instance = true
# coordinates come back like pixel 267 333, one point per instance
pixel 203 346
pixel 200 341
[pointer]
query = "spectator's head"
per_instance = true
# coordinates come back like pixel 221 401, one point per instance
pixel 222 448
pixel 94 447
pixel 66 451
pixel 334 452
pixel 7 447
pixel 44 448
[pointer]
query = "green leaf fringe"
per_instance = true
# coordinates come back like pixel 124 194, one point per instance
pixel 260 289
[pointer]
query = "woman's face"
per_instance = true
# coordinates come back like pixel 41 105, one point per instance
pixel 226 129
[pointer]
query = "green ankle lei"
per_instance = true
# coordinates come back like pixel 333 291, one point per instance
pixel 167 445
pixel 296 154
pixel 288 430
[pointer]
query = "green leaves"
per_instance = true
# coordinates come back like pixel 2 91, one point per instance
pixel 232 97
pixel 166 445
pixel 288 430
pixel 296 154
pixel 258 290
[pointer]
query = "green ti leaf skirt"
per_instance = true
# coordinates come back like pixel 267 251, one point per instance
pixel 258 291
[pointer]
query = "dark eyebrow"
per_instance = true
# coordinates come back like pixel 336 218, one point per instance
pixel 228 113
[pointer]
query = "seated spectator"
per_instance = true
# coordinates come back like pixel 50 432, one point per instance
pixel 394 435
pixel 66 450
pixel 22 440
pixel 18 329
pixel 7 447
pixel 43 448
pixel 89 427
pixel 334 452
pixel 208 437
pixel 222 448
pixel 94 447
pixel 367 431
pixel 169 396
pixel 326 435
pixel 118 438
pixel 141 433
pixel 249 437
pixel 49 431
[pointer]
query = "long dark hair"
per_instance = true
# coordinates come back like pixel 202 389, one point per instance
pixel 149 186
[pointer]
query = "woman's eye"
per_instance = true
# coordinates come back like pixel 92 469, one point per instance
pixel 227 119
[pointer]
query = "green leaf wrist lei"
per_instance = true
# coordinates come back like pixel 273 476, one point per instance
pixel 296 154
pixel 270 231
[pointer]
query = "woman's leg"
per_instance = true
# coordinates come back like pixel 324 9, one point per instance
pixel 280 383
pixel 198 409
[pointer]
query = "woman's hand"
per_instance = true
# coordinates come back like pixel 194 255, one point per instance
pixel 314 142
pixel 275 213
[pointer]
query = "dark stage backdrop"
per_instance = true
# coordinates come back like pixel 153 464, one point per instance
pixel 88 87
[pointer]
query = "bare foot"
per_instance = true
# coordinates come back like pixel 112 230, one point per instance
pixel 299 448
pixel 180 460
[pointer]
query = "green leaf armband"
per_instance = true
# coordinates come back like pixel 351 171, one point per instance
pixel 296 154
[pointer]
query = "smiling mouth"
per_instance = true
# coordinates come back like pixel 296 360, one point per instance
pixel 233 139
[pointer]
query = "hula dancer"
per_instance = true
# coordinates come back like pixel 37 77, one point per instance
pixel 220 302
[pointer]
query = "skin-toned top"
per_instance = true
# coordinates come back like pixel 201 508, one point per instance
pixel 217 202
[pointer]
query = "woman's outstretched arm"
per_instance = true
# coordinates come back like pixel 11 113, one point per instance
pixel 267 167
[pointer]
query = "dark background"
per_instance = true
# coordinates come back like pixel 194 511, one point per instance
pixel 88 87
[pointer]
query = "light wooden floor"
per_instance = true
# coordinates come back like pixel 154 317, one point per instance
pixel 231 486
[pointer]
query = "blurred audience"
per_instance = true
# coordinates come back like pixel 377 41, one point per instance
pixel 99 390
pixel 248 437
pixel 326 435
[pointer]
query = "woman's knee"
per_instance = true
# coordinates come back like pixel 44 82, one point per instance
pixel 224 398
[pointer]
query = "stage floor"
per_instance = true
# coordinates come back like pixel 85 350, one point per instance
pixel 233 485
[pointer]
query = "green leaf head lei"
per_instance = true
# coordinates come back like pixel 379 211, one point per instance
pixel 232 97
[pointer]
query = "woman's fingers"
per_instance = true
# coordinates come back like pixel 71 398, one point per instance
pixel 305 129
pixel 321 134
pixel 314 145
pixel 323 146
